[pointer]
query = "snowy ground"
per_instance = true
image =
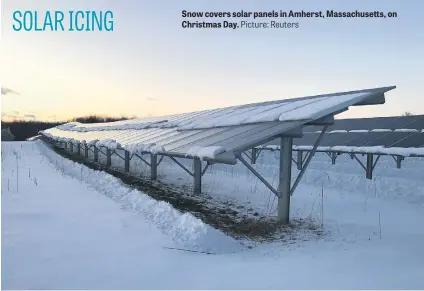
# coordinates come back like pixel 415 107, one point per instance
pixel 65 226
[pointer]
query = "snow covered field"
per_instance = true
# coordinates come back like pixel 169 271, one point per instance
pixel 65 226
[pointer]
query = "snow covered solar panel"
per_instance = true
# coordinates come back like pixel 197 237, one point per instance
pixel 231 130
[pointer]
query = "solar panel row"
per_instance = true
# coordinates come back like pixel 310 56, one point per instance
pixel 395 122
pixel 233 129
pixel 402 132
pixel 386 139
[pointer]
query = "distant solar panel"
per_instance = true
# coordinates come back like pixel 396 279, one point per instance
pixel 397 131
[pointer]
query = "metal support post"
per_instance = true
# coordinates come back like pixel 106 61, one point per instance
pixel 286 144
pixel 71 147
pixel 108 158
pixel 254 155
pixel 127 161
pixel 153 166
pixel 197 176
pixel 79 149
pixel 86 151
pixel 333 158
pixel 399 160
pixel 96 154
pixel 370 166
pixel 299 160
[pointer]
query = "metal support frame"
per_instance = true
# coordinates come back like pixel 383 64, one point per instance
pixel 285 190
pixel 71 147
pixel 79 149
pixel 86 151
pixel 127 161
pixel 153 167
pixel 308 159
pixel 370 164
pixel 197 176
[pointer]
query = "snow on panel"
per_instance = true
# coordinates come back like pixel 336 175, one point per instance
pixel 120 134
pixel 406 130
pixel 275 114
pixel 282 110
pixel 205 152
pixel 322 106
pixel 381 130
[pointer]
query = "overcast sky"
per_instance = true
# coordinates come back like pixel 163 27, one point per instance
pixel 150 65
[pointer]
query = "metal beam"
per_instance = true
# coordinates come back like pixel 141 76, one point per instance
pixel 283 207
pixel 359 161
pixel 205 168
pixel 181 165
pixel 143 160
pixel 240 158
pixel 160 160
pixel 375 162
pixel 308 160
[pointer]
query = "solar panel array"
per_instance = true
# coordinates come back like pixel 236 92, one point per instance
pixel 219 134
pixel 388 132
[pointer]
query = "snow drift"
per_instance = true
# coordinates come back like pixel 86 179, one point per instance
pixel 186 230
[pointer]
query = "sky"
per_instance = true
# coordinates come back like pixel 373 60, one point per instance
pixel 149 65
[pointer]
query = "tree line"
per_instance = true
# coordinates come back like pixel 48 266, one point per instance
pixel 23 129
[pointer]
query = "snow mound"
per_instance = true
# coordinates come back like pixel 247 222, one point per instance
pixel 186 230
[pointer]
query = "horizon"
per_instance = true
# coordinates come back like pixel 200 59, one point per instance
pixel 150 66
